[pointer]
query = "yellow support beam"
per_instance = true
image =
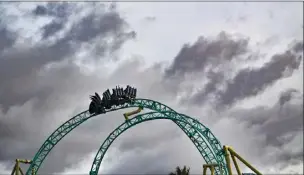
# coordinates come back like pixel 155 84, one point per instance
pixel 227 159
pixel 14 169
pixel 25 161
pixel 126 115
pixel 236 165
pixel 209 166
pixel 21 171
pixel 232 152
pixel 17 169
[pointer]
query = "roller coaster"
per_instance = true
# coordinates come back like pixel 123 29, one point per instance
pixel 216 156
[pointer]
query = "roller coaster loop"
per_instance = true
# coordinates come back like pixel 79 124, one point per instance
pixel 186 124
pixel 209 147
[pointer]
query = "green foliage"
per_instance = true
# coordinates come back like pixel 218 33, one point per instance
pixel 179 171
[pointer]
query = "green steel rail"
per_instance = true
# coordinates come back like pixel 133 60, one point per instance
pixel 188 127
pixel 213 151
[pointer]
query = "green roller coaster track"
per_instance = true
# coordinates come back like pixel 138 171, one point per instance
pixel 208 146
pixel 188 127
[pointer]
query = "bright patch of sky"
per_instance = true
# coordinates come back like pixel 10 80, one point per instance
pixel 162 28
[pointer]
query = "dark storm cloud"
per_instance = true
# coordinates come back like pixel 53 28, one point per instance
pixel 249 82
pixel 52 28
pixel 30 95
pixel 93 25
pixel 214 78
pixel 87 28
pixel 20 65
pixel 224 49
pixel 7 38
pixel 54 9
pixel 286 96
pixel 204 52
pixel 59 11
pixel 298 47
pixel 205 58
pixel 275 123
pixel 287 120
pixel 29 125
pixel 292 158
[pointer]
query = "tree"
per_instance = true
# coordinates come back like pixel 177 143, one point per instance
pixel 179 171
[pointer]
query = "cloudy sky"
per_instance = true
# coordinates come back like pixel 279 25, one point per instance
pixel 237 67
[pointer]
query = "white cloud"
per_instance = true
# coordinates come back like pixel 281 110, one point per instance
pixel 3 170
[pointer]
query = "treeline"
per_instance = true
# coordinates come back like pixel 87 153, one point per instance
pixel 181 171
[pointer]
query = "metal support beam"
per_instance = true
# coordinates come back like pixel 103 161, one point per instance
pixel 17 169
pixel 232 152
pixel 227 159
pixel 209 166
pixel 126 115
pixel 229 151
pixel 236 165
